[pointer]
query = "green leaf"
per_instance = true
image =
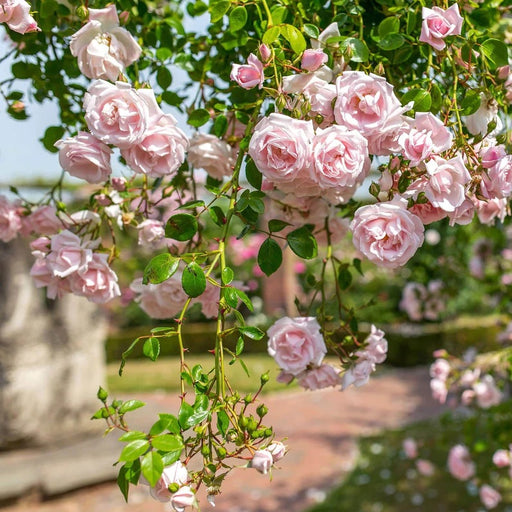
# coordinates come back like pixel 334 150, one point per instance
pixel 252 332
pixel 190 205
pixel 276 225
pixel 163 77
pixel 123 483
pixel 420 97
pixel 391 42
pixel 160 268
pixel 412 21
pixel 244 298
pixel 130 405
pixel 270 256
pixel 227 275
pixel 231 297
pixel 189 417
pixel 222 421
pixel 496 53
pixel 182 227
pixel 220 125
pixel 294 36
pixel 193 280
pixel 240 344
pixel 51 136
pixel 357 265
pixel 344 277
pixel 303 243
pixel 217 215
pixel 271 35
pixel 199 117
pixel 167 443
pixel 357 49
pixel 125 354
pixel 133 435
pixel 218 9
pixel 237 18
pixel 128 474
pixel 166 422
pixel 152 467
pixel 151 348
pixel 390 25
pixel 311 31
pixel 471 102
pixel 134 450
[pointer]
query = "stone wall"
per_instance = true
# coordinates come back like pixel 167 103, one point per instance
pixel 51 357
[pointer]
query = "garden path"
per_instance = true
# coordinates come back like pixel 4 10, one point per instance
pixel 322 429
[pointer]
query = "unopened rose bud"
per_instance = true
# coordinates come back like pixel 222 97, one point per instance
pixel 264 378
pixel 503 72
pixel 277 449
pixel 18 107
pixel 261 410
pixel 265 52
pixel 313 59
pixel 124 17
pixel 102 394
pixel 118 184
pixel 82 12
pixel 221 451
pixel 262 461
pixel 183 498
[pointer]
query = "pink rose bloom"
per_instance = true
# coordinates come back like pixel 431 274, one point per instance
pixel 119 115
pixel 490 497
pixel 42 221
pixel 40 246
pixel 376 348
pixel 459 463
pixel 248 75
pixel 10 220
pixel 184 497
pixel 161 150
pixel 427 212
pixel 44 276
pixel 467 397
pixel 487 394
pixel 322 377
pixel 209 301
pixel 175 474
pixel 425 467
pixel 118 183
pixel 438 24
pixel 212 154
pixel 98 283
pixel 410 448
pixel 440 369
pixel 497 183
pixel 150 231
pixel 502 458
pixel 488 211
pixel 387 234
pixel 265 52
pixel 164 300
pixel 477 122
pixel 68 254
pixel 446 182
pixel 340 160
pixel 281 148
pixel 262 461
pixel 85 157
pixel 439 391
pixel 367 104
pixel 491 155
pixel 296 343
pixel 463 214
pixel 359 374
pixel 104 49
pixel 413 298
pixel 16 13
pixel 277 449
pixel 313 59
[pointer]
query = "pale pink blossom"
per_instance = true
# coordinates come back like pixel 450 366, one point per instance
pixel 262 461
pixel 212 154
pixel 460 464
pixel 469 377
pixel 184 497
pixel 438 24
pixel 118 183
pixel 477 122
pixel 40 247
pixel 427 212
pixel 359 374
pixel 68 254
pixel 16 13
pixel 248 75
pixel 467 397
pixel 10 220
pixel 440 369
pixel 439 391
pixel 161 150
pixel 376 346
pixel 410 448
pixel 174 474
pixel 150 230
pixel 487 394
pixel 281 149
pixel 104 49
pixel 265 52
pixel 323 376
pixel 44 276
pixel 312 59
pixel 296 343
pixel 85 157
pixel 489 496
pixel 490 210
pixel 497 182
pixel 277 449
pixel 164 300
pixel 491 155
pixel 463 214
pixel 413 297
pixel 119 115
pixel 425 467
pixel 387 234
pixel 502 458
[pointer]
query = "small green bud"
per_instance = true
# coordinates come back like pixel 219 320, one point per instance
pixel 264 378
pixel 252 425
pixel 82 12
pixel 174 487
pixel 248 398
pixel 268 432
pixel 205 450
pixel 221 451
pixel 243 421
pixel 102 394
pixel 261 410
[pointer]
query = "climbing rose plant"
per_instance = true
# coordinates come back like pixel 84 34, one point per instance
pixel 286 111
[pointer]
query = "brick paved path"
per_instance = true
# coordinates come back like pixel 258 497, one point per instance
pixel 322 428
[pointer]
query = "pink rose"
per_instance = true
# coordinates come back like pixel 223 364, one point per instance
pixel 477 122
pixel 491 155
pixel 277 449
pixel 10 220
pixel 488 211
pixel 296 343
pixel 248 75
pixel 313 59
pixel 487 394
pixel 459 463
pixel 463 214
pixel 262 461
pixel 164 300
pixel 281 148
pixel 119 115
pixel 359 375
pixel 427 212
pixel 425 467
pixel 376 346
pixel 490 497
pixel 118 183
pixel 321 377
pixel 184 497
pixel 85 157
pixel 68 254
pixel 440 369
pixel 386 233
pixel 104 49
pixel 410 448
pixel 439 390
pixel 438 24
pixel 98 282
pixel 44 276
pixel 340 160
pixel 497 183
pixel 502 458
pixel 161 150
pixel 16 13
pixel 42 220
pixel 150 231
pixel 413 297
pixel 212 154
pixel 174 474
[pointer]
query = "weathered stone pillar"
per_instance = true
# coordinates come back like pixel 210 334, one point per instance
pixel 51 357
